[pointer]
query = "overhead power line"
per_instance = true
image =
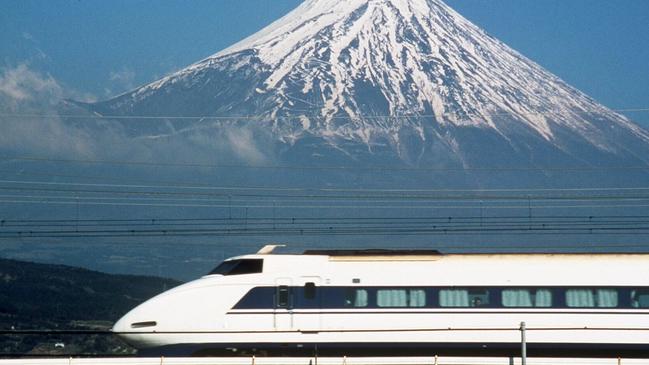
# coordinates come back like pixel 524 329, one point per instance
pixel 311 198
pixel 303 191
pixel 311 206
pixel 321 219
pixel 79 226
pixel 350 201
pixel 328 231
pixel 334 168
pixel 246 246
pixel 323 226
pixel 157 182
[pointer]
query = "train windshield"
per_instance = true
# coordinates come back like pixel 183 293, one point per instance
pixel 239 267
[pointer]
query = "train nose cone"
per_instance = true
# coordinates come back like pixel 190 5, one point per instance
pixel 121 325
pixel 133 330
pixel 129 324
pixel 121 329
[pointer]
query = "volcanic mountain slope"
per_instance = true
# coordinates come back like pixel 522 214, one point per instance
pixel 401 80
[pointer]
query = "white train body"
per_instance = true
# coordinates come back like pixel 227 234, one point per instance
pixel 407 304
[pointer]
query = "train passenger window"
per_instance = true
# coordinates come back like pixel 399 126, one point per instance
pixel 239 267
pixel 464 297
pixel 356 298
pixel 580 298
pixel 283 297
pixel 391 298
pixel 416 298
pixel 606 298
pixel 592 298
pixel 640 298
pixel 479 297
pixel 453 298
pixel 526 298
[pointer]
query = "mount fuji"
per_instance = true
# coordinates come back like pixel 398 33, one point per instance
pixel 346 123
pixel 385 82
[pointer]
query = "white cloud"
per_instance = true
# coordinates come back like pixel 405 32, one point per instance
pixel 22 85
pixel 25 94
pixel 243 144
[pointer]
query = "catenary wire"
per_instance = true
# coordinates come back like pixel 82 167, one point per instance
pixel 316 189
pixel 316 206
pixel 162 184
pixel 341 168
pixel 323 231
pixel 283 201
pixel 545 248
pixel 294 221
pixel 222 219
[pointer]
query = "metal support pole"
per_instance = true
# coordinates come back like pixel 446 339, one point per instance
pixel 523 345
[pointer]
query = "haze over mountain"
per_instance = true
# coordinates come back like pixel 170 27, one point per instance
pixel 387 81
pixel 356 123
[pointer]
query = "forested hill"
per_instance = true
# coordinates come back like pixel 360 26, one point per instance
pixel 44 297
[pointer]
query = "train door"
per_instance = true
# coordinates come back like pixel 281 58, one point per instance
pixel 308 297
pixel 283 311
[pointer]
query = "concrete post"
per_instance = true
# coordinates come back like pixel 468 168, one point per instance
pixel 523 344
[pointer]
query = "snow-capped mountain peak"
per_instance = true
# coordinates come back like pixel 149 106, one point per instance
pixel 374 71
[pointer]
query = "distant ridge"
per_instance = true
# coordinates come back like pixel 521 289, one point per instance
pixel 56 297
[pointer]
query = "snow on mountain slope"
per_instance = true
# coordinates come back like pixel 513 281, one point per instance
pixel 400 73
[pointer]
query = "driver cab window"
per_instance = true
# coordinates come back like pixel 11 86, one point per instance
pixel 239 267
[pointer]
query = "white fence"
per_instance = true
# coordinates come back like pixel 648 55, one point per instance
pixel 324 361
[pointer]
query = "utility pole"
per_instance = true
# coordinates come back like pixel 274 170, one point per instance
pixel 523 344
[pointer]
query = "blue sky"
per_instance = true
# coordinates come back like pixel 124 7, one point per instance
pixel 101 48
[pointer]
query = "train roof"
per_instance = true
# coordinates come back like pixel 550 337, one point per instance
pixel 372 252
pixel 381 254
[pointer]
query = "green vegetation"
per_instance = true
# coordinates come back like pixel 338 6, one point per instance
pixel 54 297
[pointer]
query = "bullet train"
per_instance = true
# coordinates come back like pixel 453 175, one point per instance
pixel 401 303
